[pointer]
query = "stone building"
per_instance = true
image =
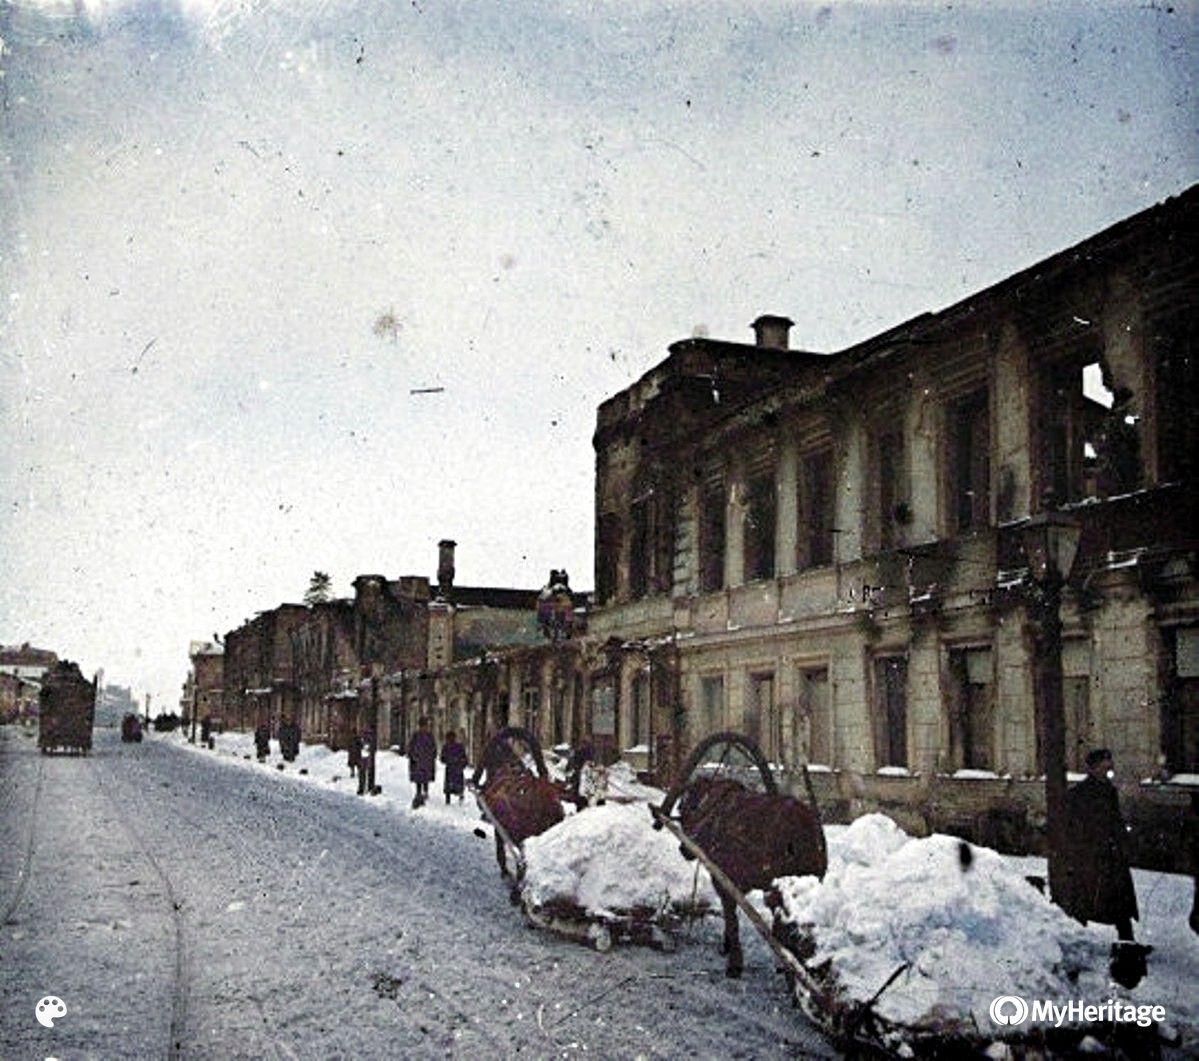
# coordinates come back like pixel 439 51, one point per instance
pixel 204 692
pixel 258 683
pixel 822 550
pixel 21 670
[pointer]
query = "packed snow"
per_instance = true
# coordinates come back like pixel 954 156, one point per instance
pixel 562 864
pixel 966 928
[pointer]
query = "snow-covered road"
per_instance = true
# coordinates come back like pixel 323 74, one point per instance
pixel 169 896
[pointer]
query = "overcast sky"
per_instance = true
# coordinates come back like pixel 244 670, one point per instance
pixel 236 235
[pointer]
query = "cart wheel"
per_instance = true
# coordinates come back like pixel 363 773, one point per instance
pixel 517 738
pixel 723 755
pixel 601 938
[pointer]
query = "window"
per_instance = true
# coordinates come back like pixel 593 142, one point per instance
pixel 639 733
pixel 816 508
pixel 761 716
pixel 1180 709
pixel 814 703
pixel 711 696
pixel 711 537
pixel 760 508
pixel 609 556
pixel 969 439
pixel 1175 341
pixel 1091 436
pixel 891 711
pixel 971 716
pixel 892 512
pixel 639 554
pixel 1076 701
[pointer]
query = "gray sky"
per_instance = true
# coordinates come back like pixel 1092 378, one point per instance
pixel 236 234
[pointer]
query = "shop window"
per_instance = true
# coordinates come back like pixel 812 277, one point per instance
pixel 814 539
pixel 890 711
pixel 969 451
pixel 711 537
pixel 760 508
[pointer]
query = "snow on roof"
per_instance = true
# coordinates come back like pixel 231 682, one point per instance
pixel 610 859
pixel 964 929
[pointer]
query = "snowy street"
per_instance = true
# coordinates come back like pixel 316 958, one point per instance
pixel 185 903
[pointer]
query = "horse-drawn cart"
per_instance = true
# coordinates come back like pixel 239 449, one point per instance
pixel 66 710
pixel 553 872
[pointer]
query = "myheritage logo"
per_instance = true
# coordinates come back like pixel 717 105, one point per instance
pixel 1009 1009
pixel 1012 1010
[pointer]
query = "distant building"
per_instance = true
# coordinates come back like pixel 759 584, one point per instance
pixel 21 671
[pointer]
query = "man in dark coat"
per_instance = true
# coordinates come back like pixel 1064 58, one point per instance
pixel 453 755
pixel 1098 881
pixel 422 762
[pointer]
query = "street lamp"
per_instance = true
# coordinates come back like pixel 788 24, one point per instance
pixel 1050 541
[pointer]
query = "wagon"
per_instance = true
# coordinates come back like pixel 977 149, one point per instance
pixel 131 729
pixel 66 709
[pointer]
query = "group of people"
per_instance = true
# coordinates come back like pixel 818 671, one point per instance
pixel 422 763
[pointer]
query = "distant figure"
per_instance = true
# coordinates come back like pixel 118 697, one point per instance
pixel 453 755
pixel 367 749
pixel 262 741
pixel 289 739
pixel 354 754
pixel 422 762
pixel 1098 880
pixel 205 728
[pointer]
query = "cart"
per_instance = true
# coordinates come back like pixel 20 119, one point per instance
pixel 520 801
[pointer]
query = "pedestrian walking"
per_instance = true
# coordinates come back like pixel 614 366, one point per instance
pixel 1098 880
pixel 366 751
pixel 422 762
pixel 262 741
pixel 354 754
pixel 453 755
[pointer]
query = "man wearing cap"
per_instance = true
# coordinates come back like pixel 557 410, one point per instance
pixel 1098 881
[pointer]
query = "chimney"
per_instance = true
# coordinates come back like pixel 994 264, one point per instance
pixel 771 332
pixel 445 566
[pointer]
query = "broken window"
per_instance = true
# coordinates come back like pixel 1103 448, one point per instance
pixel 971 718
pixel 1091 433
pixel 651 554
pixel 639 733
pixel 814 540
pixel 760 507
pixel 641 515
pixel 1180 706
pixel 891 711
pixel 711 536
pixel 969 438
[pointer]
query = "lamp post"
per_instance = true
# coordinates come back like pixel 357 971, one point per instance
pixel 1050 541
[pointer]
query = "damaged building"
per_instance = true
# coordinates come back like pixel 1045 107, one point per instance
pixel 823 550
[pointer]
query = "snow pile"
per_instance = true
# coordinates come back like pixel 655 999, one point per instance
pixel 969 928
pixel 610 860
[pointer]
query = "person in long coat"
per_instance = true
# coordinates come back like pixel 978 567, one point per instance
pixel 453 755
pixel 422 761
pixel 1098 879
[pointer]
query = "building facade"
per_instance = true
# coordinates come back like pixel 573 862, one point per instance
pixel 823 550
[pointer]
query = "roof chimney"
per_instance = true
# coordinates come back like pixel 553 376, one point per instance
pixel 445 567
pixel 771 332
